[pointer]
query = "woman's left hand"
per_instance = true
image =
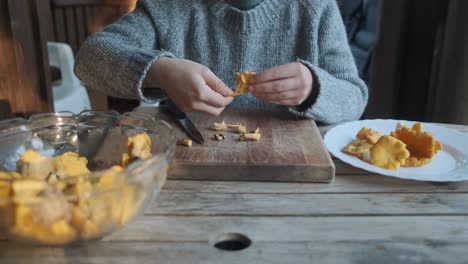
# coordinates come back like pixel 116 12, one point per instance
pixel 289 84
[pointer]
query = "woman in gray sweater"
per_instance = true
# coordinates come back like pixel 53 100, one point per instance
pixel 191 49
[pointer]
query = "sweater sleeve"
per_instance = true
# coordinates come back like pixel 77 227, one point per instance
pixel 116 60
pixel 341 95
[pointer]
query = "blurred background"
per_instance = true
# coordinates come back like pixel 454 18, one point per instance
pixel 412 53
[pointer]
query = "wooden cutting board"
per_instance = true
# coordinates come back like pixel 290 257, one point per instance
pixel 291 149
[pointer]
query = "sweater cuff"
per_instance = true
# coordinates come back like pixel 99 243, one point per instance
pixel 312 98
pixel 143 60
pixel 318 103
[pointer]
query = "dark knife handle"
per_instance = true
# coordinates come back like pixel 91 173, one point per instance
pixel 174 109
pixel 183 120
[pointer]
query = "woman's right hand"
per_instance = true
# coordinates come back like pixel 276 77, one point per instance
pixel 192 86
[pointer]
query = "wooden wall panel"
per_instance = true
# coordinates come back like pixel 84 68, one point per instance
pixel 419 57
pixel 406 57
pixel 80 24
pixel 74 20
pixel 59 25
pixel 449 98
pixel 385 71
pixel 24 82
pixel 71 28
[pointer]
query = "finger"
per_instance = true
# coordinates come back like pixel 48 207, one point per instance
pixel 277 86
pixel 204 108
pixel 212 98
pixel 276 73
pixel 215 83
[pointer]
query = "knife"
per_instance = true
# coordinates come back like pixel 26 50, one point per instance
pixel 184 121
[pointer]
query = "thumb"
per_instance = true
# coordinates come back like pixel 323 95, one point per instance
pixel 216 84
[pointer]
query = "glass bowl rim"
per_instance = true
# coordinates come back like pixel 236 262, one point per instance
pixel 15 125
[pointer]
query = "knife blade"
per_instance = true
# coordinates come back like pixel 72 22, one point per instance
pixel 184 121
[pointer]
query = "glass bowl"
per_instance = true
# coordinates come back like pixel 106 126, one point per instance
pixel 81 208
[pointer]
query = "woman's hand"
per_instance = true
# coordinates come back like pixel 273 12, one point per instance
pixel 192 86
pixel 289 84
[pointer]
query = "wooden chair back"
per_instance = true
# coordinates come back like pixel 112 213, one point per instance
pixel 72 21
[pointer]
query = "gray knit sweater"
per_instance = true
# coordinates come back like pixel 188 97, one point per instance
pixel 228 40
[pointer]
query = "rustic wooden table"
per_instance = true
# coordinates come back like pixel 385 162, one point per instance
pixel 360 218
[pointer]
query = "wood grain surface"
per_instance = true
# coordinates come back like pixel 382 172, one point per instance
pixel 359 218
pixel 337 252
pixel 291 149
pixel 24 63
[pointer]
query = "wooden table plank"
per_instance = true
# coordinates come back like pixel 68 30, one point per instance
pixel 212 204
pixel 342 184
pixel 360 218
pixel 346 169
pixel 341 252
pixel 443 229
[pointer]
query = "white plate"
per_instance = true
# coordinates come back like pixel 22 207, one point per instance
pixel 449 165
